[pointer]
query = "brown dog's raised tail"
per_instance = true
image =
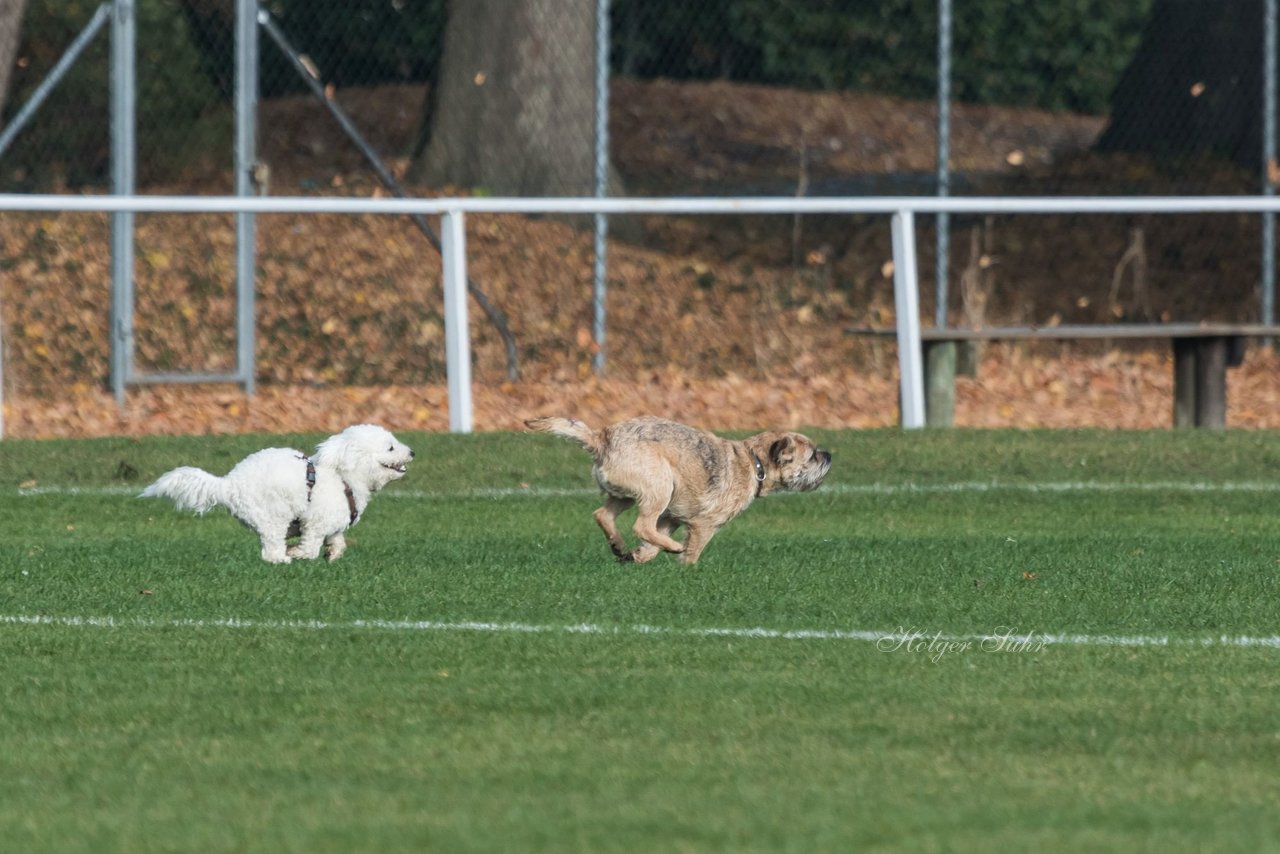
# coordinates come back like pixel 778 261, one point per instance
pixel 570 428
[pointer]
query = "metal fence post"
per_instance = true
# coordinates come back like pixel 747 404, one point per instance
pixel 246 155
pixel 1 370
pixel 907 309
pixel 600 288
pixel 123 172
pixel 942 263
pixel 1269 163
pixel 457 334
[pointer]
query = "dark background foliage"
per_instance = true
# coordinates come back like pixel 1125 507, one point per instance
pixel 1067 55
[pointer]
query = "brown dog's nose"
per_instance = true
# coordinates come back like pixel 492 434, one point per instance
pixel 826 457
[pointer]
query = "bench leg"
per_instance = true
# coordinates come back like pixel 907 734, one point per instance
pixel 1237 346
pixel 939 383
pixel 1211 383
pixel 1184 382
pixel 967 358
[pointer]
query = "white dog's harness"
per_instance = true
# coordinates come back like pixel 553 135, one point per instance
pixel 346 489
pixel 351 502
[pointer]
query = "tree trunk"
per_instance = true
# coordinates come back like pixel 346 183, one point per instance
pixel 10 30
pixel 1194 85
pixel 514 111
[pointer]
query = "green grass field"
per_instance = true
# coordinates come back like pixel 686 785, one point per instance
pixel 478 674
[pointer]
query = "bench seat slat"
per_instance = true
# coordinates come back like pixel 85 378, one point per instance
pixel 1086 331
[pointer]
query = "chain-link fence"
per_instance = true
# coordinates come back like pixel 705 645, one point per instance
pixel 724 97
pixel 851 84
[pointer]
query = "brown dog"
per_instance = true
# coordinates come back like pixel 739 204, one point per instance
pixel 678 475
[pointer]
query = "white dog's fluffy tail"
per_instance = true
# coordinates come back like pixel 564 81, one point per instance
pixel 189 488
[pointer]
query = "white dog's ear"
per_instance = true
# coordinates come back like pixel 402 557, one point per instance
pixel 335 453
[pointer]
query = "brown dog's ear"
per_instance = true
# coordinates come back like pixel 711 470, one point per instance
pixel 783 450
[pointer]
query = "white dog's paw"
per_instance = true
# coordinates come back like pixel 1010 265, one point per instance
pixel 302 551
pixel 276 558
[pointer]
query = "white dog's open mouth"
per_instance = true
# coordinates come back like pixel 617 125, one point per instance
pixel 396 467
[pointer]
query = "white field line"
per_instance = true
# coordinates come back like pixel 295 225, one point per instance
pixel 871 489
pixel 910 640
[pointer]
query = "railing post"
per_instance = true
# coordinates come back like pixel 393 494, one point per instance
pixel 457 334
pixel 1269 165
pixel 123 153
pixel 599 291
pixel 246 157
pixel 906 302
pixel 1 371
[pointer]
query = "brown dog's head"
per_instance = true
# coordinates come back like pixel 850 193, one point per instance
pixel 792 462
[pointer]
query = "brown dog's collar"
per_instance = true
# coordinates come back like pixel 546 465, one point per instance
pixel 759 473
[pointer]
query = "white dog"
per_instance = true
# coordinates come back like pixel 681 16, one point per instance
pixel 281 493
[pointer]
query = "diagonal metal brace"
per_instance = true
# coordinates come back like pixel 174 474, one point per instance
pixel 50 82
pixel 495 314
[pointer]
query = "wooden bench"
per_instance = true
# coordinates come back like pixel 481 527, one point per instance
pixel 1201 356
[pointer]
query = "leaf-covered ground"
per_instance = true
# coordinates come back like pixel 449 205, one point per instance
pixel 1114 390
pixel 726 322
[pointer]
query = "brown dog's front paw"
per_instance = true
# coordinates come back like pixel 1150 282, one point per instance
pixel 644 554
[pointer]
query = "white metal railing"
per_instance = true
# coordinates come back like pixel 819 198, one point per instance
pixel 453 210
pixel 675 205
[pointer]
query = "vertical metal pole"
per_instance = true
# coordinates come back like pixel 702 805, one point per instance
pixel 123 179
pixel 600 288
pixel 1269 163
pixel 246 154
pixel 457 335
pixel 906 304
pixel 944 161
pixel 1 372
